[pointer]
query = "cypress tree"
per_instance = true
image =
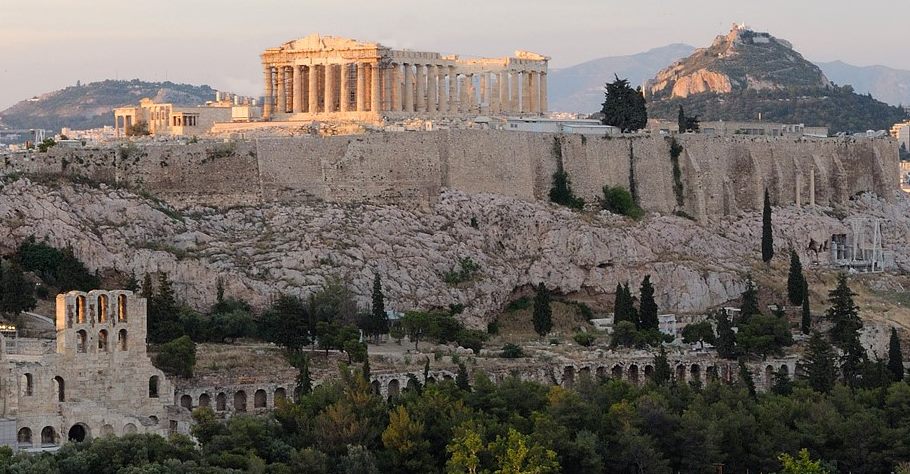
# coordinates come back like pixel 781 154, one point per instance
pixel 796 282
pixel 726 338
pixel 681 120
pixel 767 238
pixel 542 313
pixel 304 381
pixel 426 370
pixel 461 378
pixel 647 307
pixel 620 311
pixel 782 384
pixel 745 376
pixel 749 306
pixel 895 357
pixel 380 320
pixel 631 312
pixel 367 372
pixel 806 323
pixel 818 366
pixel 147 289
pixel 662 372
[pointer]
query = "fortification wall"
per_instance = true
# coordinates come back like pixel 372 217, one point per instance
pixel 718 175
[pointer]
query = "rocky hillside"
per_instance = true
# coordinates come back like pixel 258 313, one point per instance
pixel 261 251
pixel 745 75
pixel 889 85
pixel 90 105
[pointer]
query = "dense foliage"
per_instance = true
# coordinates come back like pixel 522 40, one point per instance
pixel 623 106
pixel 618 200
pixel 57 268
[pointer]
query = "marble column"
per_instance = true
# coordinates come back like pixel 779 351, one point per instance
pixel 282 92
pixel 472 94
pixel 345 80
pixel 313 92
pixel 526 92
pixel 544 106
pixel 298 90
pixel 269 94
pixel 396 88
pixel 453 90
pixel 375 92
pixel 420 105
pixel 432 88
pixel 493 87
pixel 514 101
pixel 534 92
pixel 504 92
pixel 329 92
pixel 484 93
pixel 443 84
pixel 409 88
pixel 361 87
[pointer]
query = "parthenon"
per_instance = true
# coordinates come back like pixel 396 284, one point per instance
pixel 331 78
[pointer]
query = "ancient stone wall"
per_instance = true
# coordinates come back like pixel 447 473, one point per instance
pixel 719 175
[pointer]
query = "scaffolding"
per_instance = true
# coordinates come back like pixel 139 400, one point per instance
pixel 861 250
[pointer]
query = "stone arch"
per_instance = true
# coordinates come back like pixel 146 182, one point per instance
pixel 24 438
pixel 680 373
pixel 121 339
pixel 375 387
pixel 49 436
pixel 260 399
pixel 80 309
pixel 107 430
pixel 102 340
pixel 221 402
pixel 60 388
pixel 186 401
pixel 695 373
pixel 205 400
pixel 280 394
pixel 121 308
pixel 102 308
pixel 239 400
pixel 27 386
pixel 81 340
pixel 649 371
pixel 79 433
pixel 568 376
pixel 129 428
pixel 616 372
pixel 785 369
pixel 411 384
pixel 769 375
pixel 153 386
pixel 394 388
pixel 633 374
pixel 447 378
pixel 584 372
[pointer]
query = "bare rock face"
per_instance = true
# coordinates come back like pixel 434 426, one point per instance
pixel 263 251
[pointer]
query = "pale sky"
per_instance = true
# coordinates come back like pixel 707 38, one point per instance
pixel 49 44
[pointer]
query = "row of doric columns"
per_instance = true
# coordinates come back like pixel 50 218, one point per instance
pixel 321 88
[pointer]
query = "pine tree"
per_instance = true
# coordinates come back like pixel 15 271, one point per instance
pixel 543 322
pixel 782 384
pixel 662 372
pixel 895 357
pixel 818 365
pixel 132 284
pixel 767 238
pixel 681 120
pixel 806 323
pixel 726 338
pixel 623 106
pixel 846 324
pixel 796 282
pixel 647 307
pixel 148 291
pixel 749 306
pixel 461 378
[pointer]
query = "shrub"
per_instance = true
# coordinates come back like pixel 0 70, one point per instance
pixel 466 269
pixel 584 339
pixel 512 351
pixel 618 200
pixel 177 357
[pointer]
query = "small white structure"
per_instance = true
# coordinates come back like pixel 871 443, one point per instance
pixel 667 324
pixel 603 324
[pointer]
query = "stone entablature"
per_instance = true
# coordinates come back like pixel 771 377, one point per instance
pixel 99 380
pixel 331 78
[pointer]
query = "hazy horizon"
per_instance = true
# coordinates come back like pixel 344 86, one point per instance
pixel 48 44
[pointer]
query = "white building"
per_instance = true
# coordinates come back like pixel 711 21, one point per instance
pixel 546 125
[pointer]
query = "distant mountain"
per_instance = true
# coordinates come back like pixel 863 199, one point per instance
pixel 579 88
pixel 884 83
pixel 746 74
pixel 91 105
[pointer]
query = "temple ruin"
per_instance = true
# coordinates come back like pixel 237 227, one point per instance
pixel 332 78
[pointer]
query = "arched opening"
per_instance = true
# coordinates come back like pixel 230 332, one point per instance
pixel 205 400
pixel 784 369
pixel 121 339
pixel 220 402
pixel 48 436
pixel 649 371
pixel 153 420
pixel 240 401
pixel 430 379
pixel 394 388
pixel 81 340
pixel 280 395
pixel 259 399
pixel 411 385
pixel 78 433
pixel 102 340
pixel 24 438
pixel 153 386
pixel 28 385
pixel 695 373
pixel 80 309
pixel 445 378
pixel 568 377
pixel 129 428
pixel 584 373
pixel 374 387
pixel 633 374
pixel 60 387
pixel 107 430
pixel 102 308
pixel 121 308
pixel 711 372
pixel 616 372
pixel 186 401
pixel 601 372
pixel 680 373
pixel 769 375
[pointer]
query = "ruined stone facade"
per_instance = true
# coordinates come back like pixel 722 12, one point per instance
pixel 98 380
pixel 331 78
